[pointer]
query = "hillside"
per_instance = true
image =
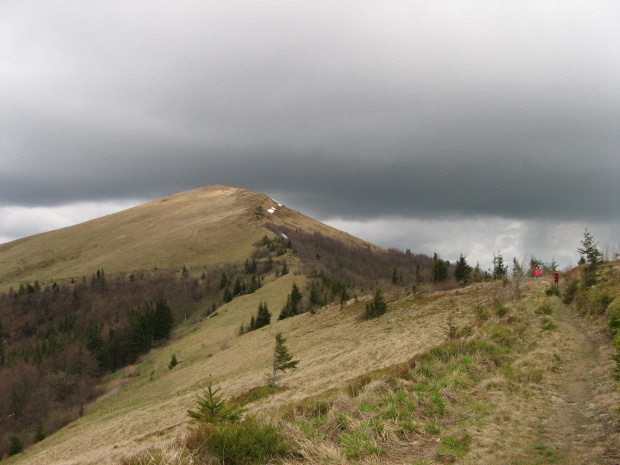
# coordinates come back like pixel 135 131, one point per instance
pixel 466 376
pixel 202 227
pixel 493 372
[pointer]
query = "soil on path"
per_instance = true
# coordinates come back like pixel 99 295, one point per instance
pixel 580 426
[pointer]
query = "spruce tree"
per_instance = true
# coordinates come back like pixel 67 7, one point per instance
pixel 462 272
pixel 282 359
pixel 499 269
pixel 163 320
pixel 263 318
pixel 39 433
pixel 212 408
pixel 591 254
pixel 440 269
pixel 378 305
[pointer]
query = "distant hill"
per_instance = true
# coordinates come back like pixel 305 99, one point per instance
pixel 207 226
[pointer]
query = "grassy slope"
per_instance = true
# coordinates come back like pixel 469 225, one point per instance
pixel 334 347
pixel 205 226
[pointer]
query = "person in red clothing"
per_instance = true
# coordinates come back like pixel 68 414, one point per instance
pixel 556 278
pixel 537 273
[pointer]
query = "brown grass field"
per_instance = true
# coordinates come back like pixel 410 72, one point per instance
pixel 520 412
pixel 442 377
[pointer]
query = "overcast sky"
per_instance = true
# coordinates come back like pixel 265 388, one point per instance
pixel 474 127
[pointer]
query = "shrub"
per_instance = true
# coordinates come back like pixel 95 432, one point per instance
pixel 552 291
pixel 613 322
pixel 244 443
pixel 548 325
pixel 603 300
pixel 570 292
pixel 544 309
pixel 16 445
pixel 500 309
pixel 481 312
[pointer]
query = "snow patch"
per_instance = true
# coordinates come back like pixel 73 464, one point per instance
pixel 271 210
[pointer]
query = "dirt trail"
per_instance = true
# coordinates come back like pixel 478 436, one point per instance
pixel 580 425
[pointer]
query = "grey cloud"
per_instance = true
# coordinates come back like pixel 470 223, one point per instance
pixel 349 109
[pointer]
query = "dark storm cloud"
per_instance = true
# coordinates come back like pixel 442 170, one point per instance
pixel 354 110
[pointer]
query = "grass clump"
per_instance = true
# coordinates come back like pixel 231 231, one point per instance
pixel 452 448
pixel 245 443
pixel 544 309
pixel 552 291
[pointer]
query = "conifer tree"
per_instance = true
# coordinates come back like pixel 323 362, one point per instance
pixel 591 254
pixel 282 359
pixel 462 272
pixel 39 433
pixel 163 321
pixel 499 269
pixel 378 305
pixel 440 269
pixel 263 318
pixel 212 408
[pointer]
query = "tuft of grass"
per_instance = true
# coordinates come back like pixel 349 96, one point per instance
pixel 245 443
pixel 544 309
pixel 452 448
pixel 548 453
pixel 547 324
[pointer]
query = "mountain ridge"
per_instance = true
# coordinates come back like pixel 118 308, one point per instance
pixel 165 233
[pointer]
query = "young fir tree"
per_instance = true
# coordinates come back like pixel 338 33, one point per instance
pixel 212 408
pixel 591 255
pixel 293 303
pixel 39 433
pixel 163 321
pixel 282 359
pixel 263 317
pixel 440 268
pixel 462 271
pixel 499 269
pixel 378 305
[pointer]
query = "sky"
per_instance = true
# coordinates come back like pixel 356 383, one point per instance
pixel 458 127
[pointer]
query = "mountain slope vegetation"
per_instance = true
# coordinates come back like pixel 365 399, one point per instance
pixel 481 371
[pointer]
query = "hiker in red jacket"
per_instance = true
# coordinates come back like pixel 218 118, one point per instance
pixel 537 273
pixel 556 278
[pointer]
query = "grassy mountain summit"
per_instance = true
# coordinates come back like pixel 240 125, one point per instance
pixel 207 226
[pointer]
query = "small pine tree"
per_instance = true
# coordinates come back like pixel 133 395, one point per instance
pixel 284 269
pixel 163 321
pixel 173 362
pixel 378 305
pixel 16 445
pixel 212 408
pixel 39 433
pixel 591 254
pixel 499 269
pixel 263 318
pixel 440 269
pixel 462 272
pixel 282 359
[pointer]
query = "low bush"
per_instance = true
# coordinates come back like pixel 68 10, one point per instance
pixel 245 443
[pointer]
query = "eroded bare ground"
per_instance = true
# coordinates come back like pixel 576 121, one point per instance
pixel 579 426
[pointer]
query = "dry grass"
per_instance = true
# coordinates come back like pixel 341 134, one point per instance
pixel 470 402
pixel 201 227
